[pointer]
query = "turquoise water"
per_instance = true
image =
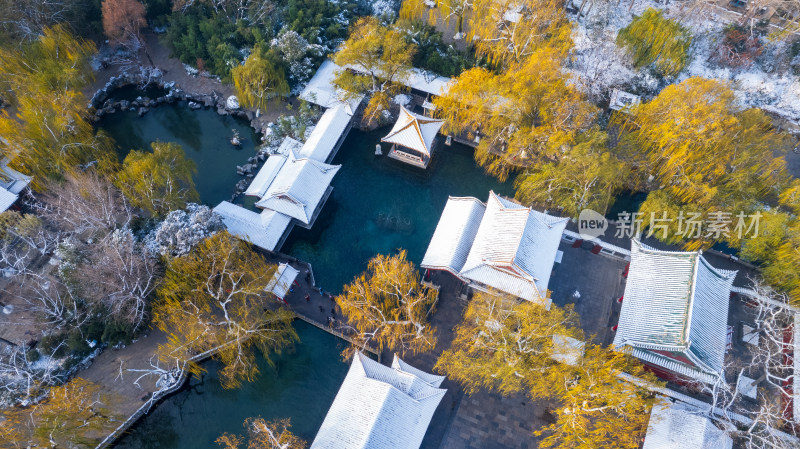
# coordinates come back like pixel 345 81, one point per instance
pixel 353 226
pixel 301 387
pixel 204 136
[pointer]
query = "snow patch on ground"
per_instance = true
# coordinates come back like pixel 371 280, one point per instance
pixel 401 99
pixel 597 65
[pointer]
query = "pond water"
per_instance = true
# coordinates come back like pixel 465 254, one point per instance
pixel 204 136
pixel 132 92
pixel 301 387
pixel 379 205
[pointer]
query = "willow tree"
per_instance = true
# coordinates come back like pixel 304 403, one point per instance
pixel 586 177
pixel 262 434
pixel 159 181
pixel 377 60
pixel 654 39
pixel 598 407
pixel 259 79
pixel 388 306
pixel 506 345
pixel 524 116
pixel 706 152
pixel 71 415
pixel 47 133
pixel 213 299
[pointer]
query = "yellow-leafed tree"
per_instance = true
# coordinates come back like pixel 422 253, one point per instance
pixel 159 181
pixel 586 177
pixel 381 60
pixel 214 299
pixel 505 344
pixel 262 434
pixel 75 414
pixel 388 306
pixel 597 407
pixel 47 133
pixel 259 79
pixel 524 116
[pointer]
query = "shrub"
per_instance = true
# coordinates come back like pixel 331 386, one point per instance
pixel 740 46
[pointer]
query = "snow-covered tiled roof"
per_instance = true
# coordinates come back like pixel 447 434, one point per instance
pixel 298 188
pixel 378 407
pixel 675 302
pixel 282 280
pixel 321 91
pixel 12 180
pixel 6 199
pixel 454 234
pixel 419 79
pixel 258 187
pixel 414 131
pixel 514 249
pixel 681 426
pixel 263 229
pixel 322 141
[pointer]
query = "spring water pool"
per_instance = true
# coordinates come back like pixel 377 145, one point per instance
pixel 301 387
pixel 203 134
pixel 379 204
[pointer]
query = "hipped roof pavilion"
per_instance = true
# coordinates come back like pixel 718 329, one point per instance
pixel 499 245
pixel 413 132
pixel 378 407
pixel 675 312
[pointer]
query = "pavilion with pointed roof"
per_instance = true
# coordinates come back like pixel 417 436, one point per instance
pixel 499 245
pixel 412 138
pixel 380 407
pixel 674 313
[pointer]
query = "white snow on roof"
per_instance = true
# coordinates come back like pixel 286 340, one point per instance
pixel 428 82
pixel 263 230
pixel 321 91
pixel 378 407
pixel 454 234
pixel 298 188
pixel 675 302
pixel 12 180
pixel 513 249
pixel 419 79
pixel 282 280
pixel 6 199
pixel 681 426
pixel 326 134
pixel 414 131
pixel 258 187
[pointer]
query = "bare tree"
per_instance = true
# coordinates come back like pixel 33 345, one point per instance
pixel 18 373
pixel 120 275
pixel 86 205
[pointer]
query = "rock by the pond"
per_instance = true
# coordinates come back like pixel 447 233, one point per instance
pixel 123 104
pixel 208 102
pixel 232 102
pixel 222 111
pixel 193 105
pixel 143 110
pixel 262 157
